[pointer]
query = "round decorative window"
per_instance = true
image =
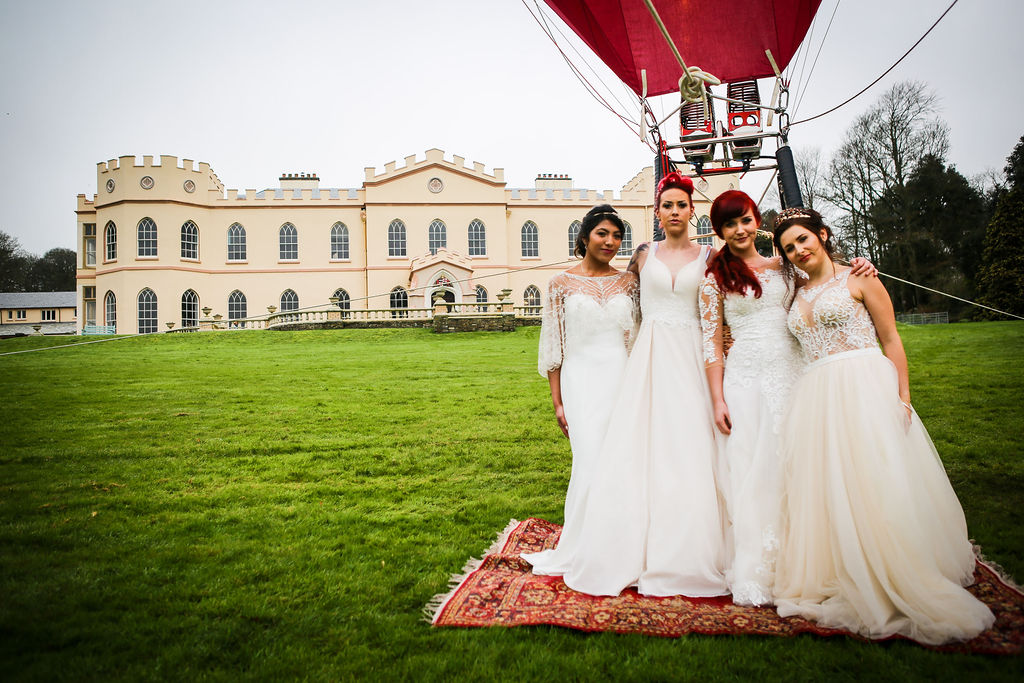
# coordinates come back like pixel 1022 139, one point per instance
pixel 146 182
pixel 110 185
pixel 732 186
pixel 189 185
pixel 435 185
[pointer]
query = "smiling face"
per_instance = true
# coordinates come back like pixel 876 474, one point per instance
pixel 674 211
pixel 805 248
pixel 603 242
pixel 740 233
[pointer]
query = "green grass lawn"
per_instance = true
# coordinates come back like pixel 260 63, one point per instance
pixel 269 505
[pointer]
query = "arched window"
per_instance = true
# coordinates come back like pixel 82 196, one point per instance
pixel 531 296
pixel 289 301
pixel 574 232
pixel 339 241
pixel 147 237
pixel 481 294
pixel 237 306
pixel 626 249
pixel 147 311
pixel 396 238
pixel 189 240
pixel 288 238
pixel 399 299
pixel 189 309
pixel 705 234
pixel 110 238
pixel 110 309
pixel 529 244
pixel 236 243
pixel 477 238
pixel 344 301
pixel 437 236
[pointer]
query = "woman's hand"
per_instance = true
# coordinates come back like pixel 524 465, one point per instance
pixel 861 266
pixel 909 412
pixel 722 419
pixel 560 416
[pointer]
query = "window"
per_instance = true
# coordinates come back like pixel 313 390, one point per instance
pixel 189 309
pixel 626 249
pixel 481 294
pixel 110 309
pixel 236 243
pixel 705 234
pixel 477 238
pixel 147 311
pixel 344 301
pixel 530 246
pixel 21 314
pixel 437 236
pixel 396 238
pixel 89 300
pixel 49 314
pixel 147 237
pixel 189 240
pixel 339 241
pixel 288 237
pixel 531 297
pixel 399 299
pixel 89 232
pixel 289 301
pixel 236 306
pixel 110 237
pixel 574 232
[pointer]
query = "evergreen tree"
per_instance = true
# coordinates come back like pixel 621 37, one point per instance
pixel 1000 280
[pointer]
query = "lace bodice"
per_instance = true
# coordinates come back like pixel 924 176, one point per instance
pixel 583 311
pixel 663 301
pixel 753 321
pixel 828 320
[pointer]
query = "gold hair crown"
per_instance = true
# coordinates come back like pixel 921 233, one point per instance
pixel 795 212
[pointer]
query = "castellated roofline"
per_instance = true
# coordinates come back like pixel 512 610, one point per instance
pixel 435 157
pixel 129 163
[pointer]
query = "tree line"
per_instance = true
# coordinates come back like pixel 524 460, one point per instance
pixel 893 198
pixel 21 271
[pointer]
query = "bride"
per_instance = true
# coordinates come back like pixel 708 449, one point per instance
pixel 585 330
pixel 652 516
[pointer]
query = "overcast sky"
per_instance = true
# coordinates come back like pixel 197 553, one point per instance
pixel 260 88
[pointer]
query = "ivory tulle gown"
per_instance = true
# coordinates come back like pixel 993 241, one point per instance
pixel 874 538
pixel 585 331
pixel 760 371
pixel 652 516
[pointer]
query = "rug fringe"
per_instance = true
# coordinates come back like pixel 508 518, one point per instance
pixel 997 569
pixel 436 604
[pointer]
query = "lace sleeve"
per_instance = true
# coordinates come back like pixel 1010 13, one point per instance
pixel 711 320
pixel 552 330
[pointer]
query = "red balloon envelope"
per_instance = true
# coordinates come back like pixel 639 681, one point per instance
pixel 726 39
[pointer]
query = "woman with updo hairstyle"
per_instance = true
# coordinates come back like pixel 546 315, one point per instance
pixel 587 325
pixel 653 516
pixel 873 538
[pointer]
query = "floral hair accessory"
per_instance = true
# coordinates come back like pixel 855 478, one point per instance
pixel 794 212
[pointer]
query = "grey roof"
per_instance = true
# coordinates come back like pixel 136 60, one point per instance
pixel 38 299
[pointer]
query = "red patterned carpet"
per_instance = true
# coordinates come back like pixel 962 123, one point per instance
pixel 501 591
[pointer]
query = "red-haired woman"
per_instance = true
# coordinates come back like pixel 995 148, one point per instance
pixel 873 539
pixel 653 517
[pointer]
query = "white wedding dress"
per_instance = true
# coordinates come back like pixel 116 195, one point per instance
pixel 585 331
pixel 653 515
pixel 762 366
pixel 874 540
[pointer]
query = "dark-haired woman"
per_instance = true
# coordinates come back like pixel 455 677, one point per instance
pixel 652 516
pixel 874 540
pixel 589 317
pixel 749 391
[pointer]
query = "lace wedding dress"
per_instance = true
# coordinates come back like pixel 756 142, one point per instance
pixel 874 539
pixel 585 331
pixel 652 516
pixel 763 364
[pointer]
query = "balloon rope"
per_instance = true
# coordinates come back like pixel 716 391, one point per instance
pixel 691 84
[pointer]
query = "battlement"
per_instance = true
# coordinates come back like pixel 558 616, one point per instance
pixel 188 173
pixel 434 157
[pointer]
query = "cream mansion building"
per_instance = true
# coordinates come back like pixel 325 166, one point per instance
pixel 163 239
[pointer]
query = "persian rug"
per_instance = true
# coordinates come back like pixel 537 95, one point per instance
pixel 500 590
